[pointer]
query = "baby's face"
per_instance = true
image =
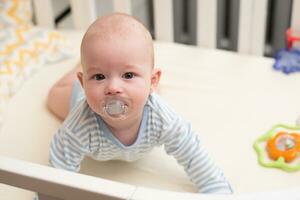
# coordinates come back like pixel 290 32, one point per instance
pixel 117 69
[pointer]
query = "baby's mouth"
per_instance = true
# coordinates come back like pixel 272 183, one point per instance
pixel 116 108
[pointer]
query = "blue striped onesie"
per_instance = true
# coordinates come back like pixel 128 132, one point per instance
pixel 84 133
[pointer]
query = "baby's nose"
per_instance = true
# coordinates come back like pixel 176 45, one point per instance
pixel 113 87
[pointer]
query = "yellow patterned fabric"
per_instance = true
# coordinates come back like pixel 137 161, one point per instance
pixel 24 48
pixel 15 12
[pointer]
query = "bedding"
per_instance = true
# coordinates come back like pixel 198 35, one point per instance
pixel 24 48
pixel 15 13
pixel 230 99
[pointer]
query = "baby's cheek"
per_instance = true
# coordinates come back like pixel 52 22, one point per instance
pixel 93 93
pixel 93 99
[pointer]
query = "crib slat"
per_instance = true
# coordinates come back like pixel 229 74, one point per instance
pixel 244 33
pixel 207 23
pixel 163 20
pixel 84 13
pixel 295 23
pixel 123 6
pixel 259 27
pixel 43 11
pixel 252 26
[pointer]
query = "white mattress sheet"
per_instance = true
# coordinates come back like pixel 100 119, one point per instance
pixel 230 99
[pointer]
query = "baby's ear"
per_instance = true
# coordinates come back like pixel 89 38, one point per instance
pixel 155 78
pixel 80 77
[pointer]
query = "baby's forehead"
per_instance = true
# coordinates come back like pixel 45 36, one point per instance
pixel 118 25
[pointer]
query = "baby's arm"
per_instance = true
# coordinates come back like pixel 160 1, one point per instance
pixel 72 140
pixel 66 151
pixel 184 145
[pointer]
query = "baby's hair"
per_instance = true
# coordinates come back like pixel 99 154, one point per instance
pixel 119 24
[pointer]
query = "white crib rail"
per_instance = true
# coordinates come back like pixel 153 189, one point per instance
pixel 252 20
pixel 58 184
pixel 43 12
pixel 163 20
pixel 122 6
pixel 252 26
pixel 207 23
pixel 295 21
pixel 84 13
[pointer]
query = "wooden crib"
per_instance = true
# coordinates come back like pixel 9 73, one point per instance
pixel 238 95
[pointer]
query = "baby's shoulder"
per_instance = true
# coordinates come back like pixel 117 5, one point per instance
pixel 80 118
pixel 160 109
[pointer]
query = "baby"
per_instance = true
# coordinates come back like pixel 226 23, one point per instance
pixel 111 111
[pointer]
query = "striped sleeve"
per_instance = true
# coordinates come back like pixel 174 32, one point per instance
pixel 71 142
pixel 66 151
pixel 180 142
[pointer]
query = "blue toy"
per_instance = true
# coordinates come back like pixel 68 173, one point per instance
pixel 287 60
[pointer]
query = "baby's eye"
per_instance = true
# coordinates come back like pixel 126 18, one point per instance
pixel 98 77
pixel 128 75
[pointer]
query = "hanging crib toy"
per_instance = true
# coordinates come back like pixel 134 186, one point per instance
pixel 287 60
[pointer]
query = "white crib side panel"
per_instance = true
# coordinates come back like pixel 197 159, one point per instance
pixel 163 20
pixel 60 184
pixel 43 11
pixel 84 13
pixel 123 6
pixel 207 23
pixel 252 26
